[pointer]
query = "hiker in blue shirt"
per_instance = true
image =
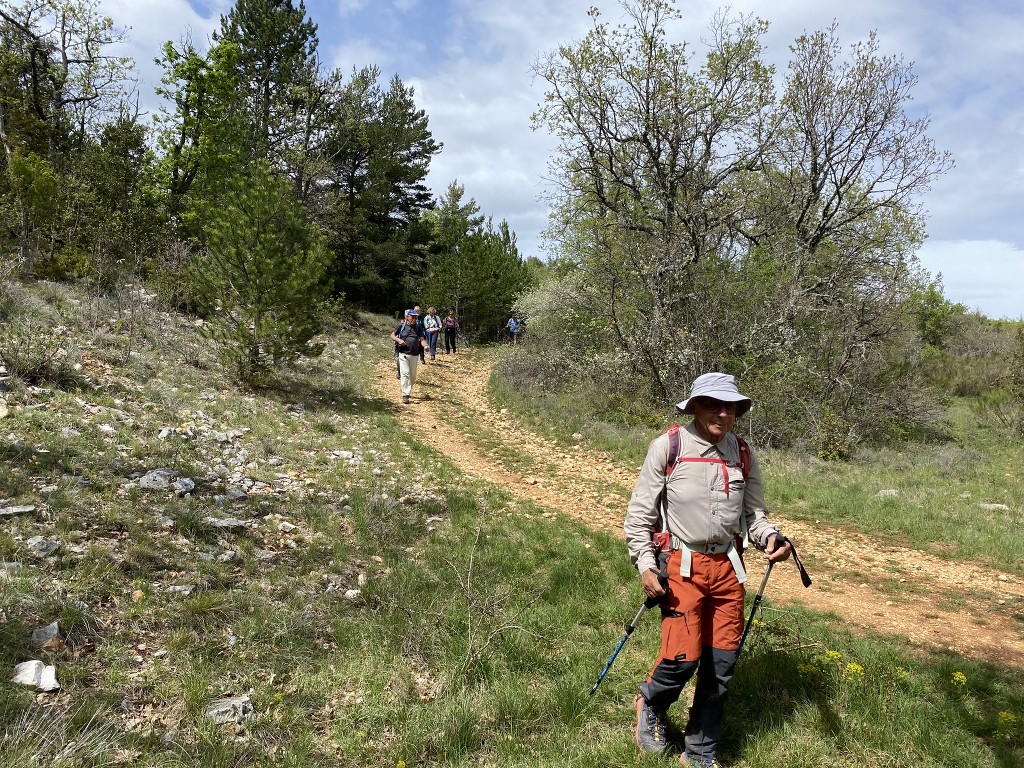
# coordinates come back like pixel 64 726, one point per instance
pixel 514 328
pixel 432 325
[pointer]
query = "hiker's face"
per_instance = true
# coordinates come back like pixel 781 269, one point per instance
pixel 713 419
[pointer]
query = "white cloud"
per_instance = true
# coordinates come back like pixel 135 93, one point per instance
pixel 981 274
pixel 345 7
pixel 358 53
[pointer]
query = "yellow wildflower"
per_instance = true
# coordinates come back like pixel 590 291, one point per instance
pixel 854 672
pixel 959 678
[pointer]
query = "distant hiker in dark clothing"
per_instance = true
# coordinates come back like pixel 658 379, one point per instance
pixel 432 324
pixel 423 332
pixel 409 345
pixel 451 330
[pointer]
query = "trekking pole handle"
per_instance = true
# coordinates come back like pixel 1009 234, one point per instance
pixel 781 540
pixel 650 602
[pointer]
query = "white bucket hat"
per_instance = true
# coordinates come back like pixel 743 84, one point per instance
pixel 718 386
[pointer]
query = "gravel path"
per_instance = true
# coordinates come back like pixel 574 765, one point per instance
pixel 930 601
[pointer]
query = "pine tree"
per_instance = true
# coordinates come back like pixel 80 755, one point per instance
pixel 276 47
pixel 381 148
pixel 261 280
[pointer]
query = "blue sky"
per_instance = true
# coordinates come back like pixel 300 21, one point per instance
pixel 469 62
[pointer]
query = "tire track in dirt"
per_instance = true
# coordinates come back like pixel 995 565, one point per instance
pixel 933 603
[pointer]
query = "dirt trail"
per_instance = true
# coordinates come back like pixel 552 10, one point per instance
pixel 931 602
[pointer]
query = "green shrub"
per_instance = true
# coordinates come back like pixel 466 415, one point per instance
pixel 37 351
pixel 1001 407
pixel 834 438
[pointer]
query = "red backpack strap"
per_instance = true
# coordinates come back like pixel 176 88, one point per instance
pixel 744 456
pixel 662 501
pixel 673 449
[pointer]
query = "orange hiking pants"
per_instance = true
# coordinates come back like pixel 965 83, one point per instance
pixel 705 609
pixel 701 627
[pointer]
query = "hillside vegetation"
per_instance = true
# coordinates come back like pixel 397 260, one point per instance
pixel 361 601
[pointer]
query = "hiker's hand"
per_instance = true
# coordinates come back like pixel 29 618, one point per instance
pixel 652 586
pixel 774 552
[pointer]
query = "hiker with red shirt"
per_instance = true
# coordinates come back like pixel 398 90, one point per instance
pixel 714 504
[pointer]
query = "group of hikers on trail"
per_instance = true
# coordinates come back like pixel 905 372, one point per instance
pixel 415 337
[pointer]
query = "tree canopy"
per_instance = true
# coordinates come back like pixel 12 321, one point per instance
pixel 81 176
pixel 724 226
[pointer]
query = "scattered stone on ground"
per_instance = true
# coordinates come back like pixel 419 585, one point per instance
pixel 230 710
pixel 22 509
pixel 42 547
pixel 36 674
pixel 157 479
pixel 230 523
pixel 43 637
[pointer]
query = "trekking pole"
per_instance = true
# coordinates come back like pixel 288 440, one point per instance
pixel 648 603
pixel 754 607
pixel 661 542
pixel 780 540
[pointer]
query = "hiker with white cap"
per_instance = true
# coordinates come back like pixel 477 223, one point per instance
pixel 700 485
pixel 410 341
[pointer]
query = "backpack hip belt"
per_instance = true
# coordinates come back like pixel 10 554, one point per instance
pixel 708 548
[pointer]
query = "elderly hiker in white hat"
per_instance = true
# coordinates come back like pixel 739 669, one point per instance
pixel 713 505
pixel 410 341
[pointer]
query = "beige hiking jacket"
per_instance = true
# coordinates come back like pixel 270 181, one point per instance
pixel 701 508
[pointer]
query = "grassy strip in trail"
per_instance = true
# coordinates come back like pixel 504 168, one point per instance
pixel 510 456
pixel 939 488
pixel 477 631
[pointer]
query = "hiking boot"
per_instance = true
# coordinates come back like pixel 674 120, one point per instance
pixel 405 399
pixel 699 761
pixel 650 727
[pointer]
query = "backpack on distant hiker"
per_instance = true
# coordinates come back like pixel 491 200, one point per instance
pixel 400 333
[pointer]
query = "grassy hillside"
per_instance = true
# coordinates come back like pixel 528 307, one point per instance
pixel 364 603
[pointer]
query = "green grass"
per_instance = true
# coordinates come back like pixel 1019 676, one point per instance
pixel 478 628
